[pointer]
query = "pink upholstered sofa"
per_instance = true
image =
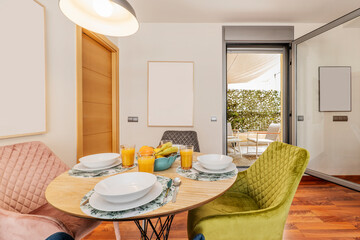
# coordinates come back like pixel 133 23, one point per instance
pixel 25 171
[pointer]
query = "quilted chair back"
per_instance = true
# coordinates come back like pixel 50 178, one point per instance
pixel 183 138
pixel 276 174
pixel 26 169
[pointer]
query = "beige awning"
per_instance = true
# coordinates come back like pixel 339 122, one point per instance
pixel 245 67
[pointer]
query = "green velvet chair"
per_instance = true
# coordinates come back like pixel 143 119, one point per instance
pixel 257 205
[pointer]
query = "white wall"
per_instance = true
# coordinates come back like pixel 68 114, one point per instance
pixel 333 146
pixel 201 43
pixel 60 40
pixel 197 42
pixel 60 76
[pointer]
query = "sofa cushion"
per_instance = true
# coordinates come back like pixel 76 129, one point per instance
pixel 18 226
pixel 79 227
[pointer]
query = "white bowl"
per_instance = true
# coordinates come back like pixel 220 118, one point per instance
pixel 215 161
pixel 99 160
pixel 125 187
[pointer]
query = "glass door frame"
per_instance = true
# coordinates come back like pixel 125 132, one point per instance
pixel 294 44
pixel 279 48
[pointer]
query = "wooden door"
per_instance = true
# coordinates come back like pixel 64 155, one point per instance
pixel 97 91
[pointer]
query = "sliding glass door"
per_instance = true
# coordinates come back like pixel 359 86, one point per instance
pixel 256 100
pixel 327 99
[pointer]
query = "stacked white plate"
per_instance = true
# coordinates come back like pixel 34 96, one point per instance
pixel 214 163
pixel 125 191
pixel 97 162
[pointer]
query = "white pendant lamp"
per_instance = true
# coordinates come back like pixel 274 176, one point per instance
pixel 108 17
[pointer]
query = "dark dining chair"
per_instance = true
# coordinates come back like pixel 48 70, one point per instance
pixel 183 138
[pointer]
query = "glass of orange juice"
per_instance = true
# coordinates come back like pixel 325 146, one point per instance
pixel 146 162
pixel 186 156
pixel 127 155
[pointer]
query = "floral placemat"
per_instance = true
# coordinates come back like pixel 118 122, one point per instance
pixel 100 173
pixel 201 176
pixel 151 206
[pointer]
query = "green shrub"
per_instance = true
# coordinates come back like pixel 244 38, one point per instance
pixel 253 109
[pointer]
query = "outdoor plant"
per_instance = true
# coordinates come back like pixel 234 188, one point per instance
pixel 253 109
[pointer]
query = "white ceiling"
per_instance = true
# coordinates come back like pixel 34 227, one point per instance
pixel 242 11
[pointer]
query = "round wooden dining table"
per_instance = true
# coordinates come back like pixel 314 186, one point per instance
pixel 65 193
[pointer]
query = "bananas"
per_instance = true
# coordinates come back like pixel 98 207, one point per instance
pixel 168 151
pixel 156 150
pixel 165 150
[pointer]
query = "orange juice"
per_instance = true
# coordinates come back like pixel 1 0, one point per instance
pixel 127 156
pixel 146 163
pixel 186 155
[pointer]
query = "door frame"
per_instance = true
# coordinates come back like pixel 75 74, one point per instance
pixel 284 49
pixel 105 42
pixel 350 16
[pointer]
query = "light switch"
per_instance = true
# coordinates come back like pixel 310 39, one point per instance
pixel 213 119
pixel 340 118
pixel 133 119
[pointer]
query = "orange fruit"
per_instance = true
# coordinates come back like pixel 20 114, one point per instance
pixel 146 150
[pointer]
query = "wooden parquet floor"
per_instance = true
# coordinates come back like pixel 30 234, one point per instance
pixel 320 210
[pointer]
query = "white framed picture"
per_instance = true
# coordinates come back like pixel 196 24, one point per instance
pixel 170 93
pixel 335 89
pixel 22 69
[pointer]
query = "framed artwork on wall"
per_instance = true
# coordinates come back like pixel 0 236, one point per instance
pixel 335 89
pixel 22 69
pixel 170 93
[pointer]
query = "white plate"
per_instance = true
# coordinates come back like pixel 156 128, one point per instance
pixel 97 202
pixel 200 168
pixel 99 160
pixel 81 167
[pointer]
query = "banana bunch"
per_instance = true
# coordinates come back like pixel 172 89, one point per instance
pixel 165 150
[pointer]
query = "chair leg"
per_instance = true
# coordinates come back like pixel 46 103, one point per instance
pixel 117 230
pixel 256 149
pixel 240 149
pixel 247 147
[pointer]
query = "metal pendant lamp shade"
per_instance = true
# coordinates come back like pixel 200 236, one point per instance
pixel 109 17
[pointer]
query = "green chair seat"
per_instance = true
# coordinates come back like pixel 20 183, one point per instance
pixel 257 205
pixel 230 202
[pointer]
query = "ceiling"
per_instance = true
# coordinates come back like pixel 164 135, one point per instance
pixel 242 11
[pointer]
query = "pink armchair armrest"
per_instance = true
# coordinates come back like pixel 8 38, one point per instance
pixel 17 226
